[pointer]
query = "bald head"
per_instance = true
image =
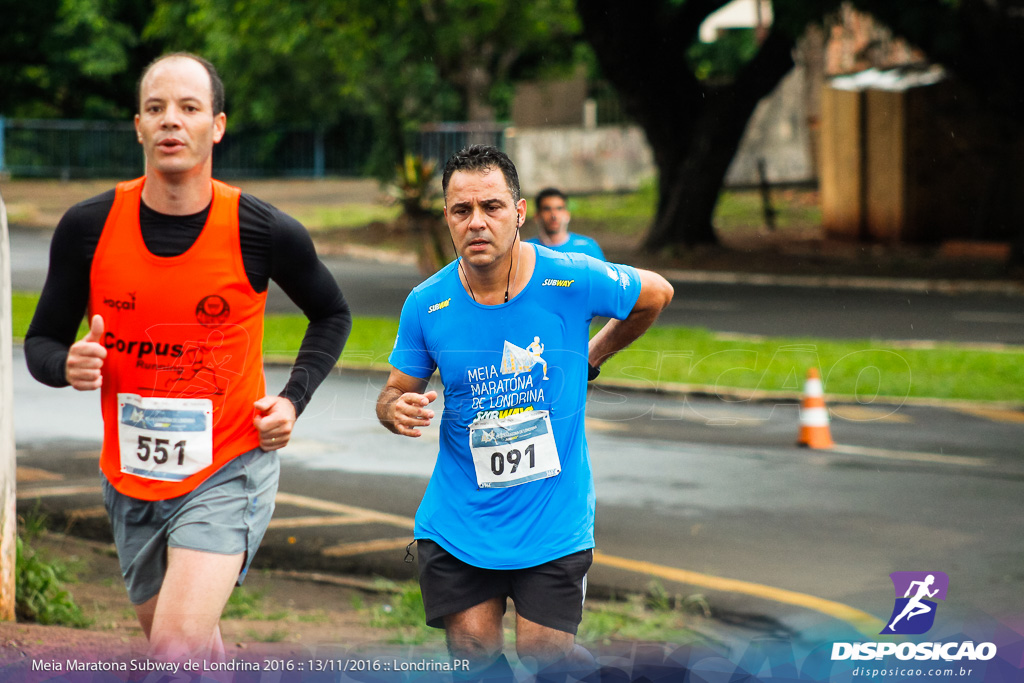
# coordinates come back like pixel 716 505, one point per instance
pixel 216 85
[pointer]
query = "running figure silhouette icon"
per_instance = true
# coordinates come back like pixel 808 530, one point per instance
pixel 914 612
pixel 536 348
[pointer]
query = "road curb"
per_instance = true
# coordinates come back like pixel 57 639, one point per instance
pixel 924 286
pixel 729 394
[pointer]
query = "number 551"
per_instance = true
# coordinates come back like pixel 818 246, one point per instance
pixel 158 449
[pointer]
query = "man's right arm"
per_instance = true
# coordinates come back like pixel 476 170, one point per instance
pixel 65 294
pixel 402 404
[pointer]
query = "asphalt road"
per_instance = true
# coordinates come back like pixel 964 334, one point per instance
pixel 758 309
pixel 755 309
pixel 690 492
pixel 708 488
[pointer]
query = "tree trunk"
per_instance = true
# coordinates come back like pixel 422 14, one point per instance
pixel 694 128
pixel 476 88
pixel 693 157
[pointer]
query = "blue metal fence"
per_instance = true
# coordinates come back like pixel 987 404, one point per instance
pixel 52 148
pixel 438 141
pixel 68 149
pixel 61 148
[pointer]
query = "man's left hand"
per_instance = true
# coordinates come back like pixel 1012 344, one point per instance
pixel 274 421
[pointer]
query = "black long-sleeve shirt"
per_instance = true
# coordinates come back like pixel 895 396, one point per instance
pixel 274 247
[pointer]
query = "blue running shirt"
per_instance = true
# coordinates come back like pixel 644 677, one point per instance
pixel 493 361
pixel 576 244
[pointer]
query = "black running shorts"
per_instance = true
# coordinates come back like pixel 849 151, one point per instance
pixel 550 594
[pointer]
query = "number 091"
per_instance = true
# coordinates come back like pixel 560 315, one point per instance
pixel 514 458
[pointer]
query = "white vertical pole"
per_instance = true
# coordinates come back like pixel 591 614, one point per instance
pixel 8 513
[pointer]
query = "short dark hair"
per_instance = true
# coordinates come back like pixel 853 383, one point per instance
pixel 549 192
pixel 216 85
pixel 482 158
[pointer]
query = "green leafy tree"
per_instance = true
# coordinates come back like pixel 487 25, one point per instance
pixel 415 188
pixel 71 58
pixel 693 116
pixel 403 62
pixel 478 45
pixel 311 62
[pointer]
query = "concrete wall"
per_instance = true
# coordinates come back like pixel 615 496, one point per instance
pixel 778 133
pixel 550 103
pixel 578 161
pixel 618 158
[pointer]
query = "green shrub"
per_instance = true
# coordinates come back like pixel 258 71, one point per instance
pixel 40 595
pixel 403 614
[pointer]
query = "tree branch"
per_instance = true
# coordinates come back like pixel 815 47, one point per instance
pixel 636 53
pixel 762 73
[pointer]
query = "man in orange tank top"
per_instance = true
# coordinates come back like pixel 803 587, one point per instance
pixel 173 270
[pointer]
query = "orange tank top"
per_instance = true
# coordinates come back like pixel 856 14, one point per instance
pixel 184 337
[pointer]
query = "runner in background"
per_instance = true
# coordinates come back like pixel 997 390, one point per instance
pixel 553 220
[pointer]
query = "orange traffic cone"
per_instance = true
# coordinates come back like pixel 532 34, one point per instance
pixel 814 431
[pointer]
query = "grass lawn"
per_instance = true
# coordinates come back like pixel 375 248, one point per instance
pixel 669 355
pixel 693 356
pixel 319 218
pixel 737 211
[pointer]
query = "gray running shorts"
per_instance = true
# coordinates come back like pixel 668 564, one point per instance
pixel 227 514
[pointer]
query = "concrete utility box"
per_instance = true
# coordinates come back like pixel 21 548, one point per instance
pixel 841 163
pixel 578 161
pixel 911 159
pixel 550 103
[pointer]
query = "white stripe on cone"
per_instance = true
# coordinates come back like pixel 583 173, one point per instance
pixel 814 417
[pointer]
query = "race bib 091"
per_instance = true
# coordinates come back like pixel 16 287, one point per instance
pixel 513 450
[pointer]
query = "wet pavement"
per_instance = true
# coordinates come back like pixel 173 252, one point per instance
pixel 702 497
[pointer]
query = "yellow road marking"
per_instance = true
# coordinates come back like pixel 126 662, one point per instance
pixel 711 418
pixel 58 491
pixel 31 474
pixel 995 414
pixel 909 455
pixel 864 414
pixel 378 545
pixel 606 425
pixel 303 522
pixel 87 455
pixel 87 513
pixel 862 621
pixel 338 508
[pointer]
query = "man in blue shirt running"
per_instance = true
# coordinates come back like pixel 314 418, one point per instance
pixel 509 510
pixel 553 218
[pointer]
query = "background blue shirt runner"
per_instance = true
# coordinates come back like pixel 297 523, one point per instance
pixel 577 244
pixel 443 328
